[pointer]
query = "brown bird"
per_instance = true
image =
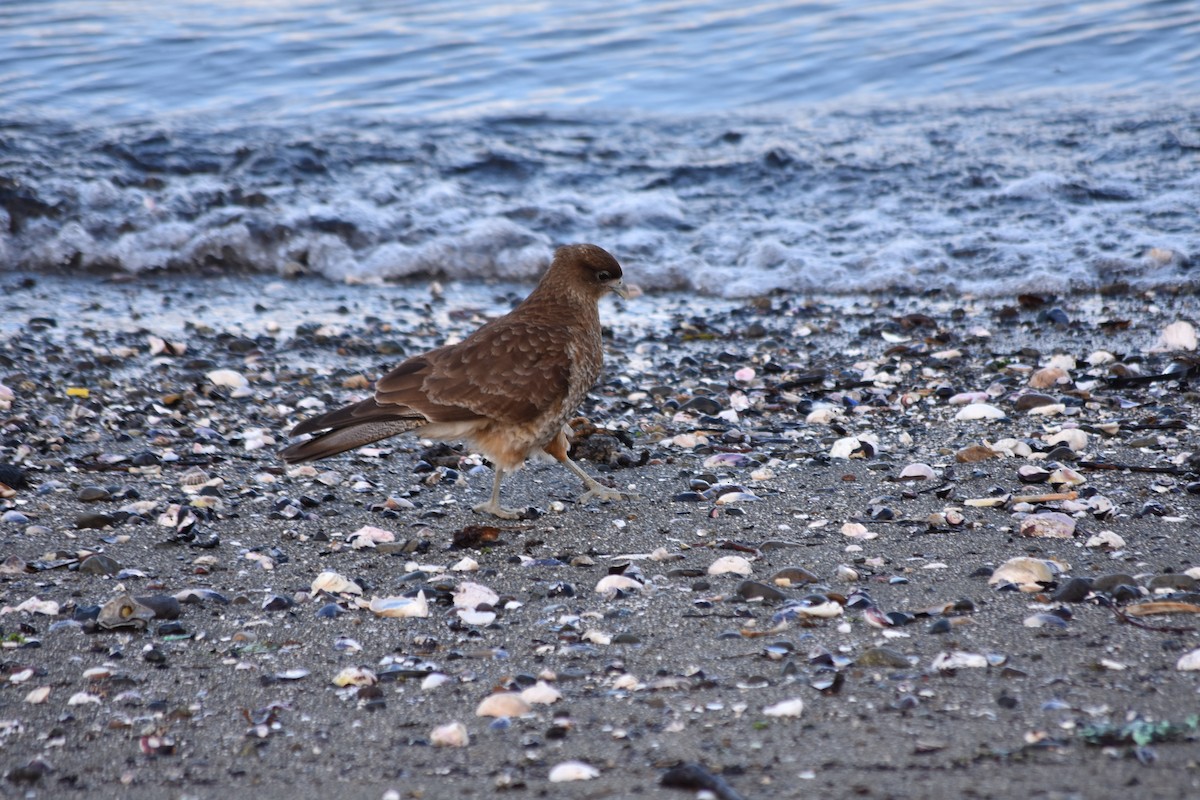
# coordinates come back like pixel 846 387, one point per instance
pixel 507 389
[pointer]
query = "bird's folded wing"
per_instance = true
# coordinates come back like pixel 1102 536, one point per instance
pixel 509 371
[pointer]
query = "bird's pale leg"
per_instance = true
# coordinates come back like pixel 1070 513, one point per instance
pixel 493 506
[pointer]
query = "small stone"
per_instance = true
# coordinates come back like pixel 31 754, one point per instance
pixel 785 708
pixel 573 771
pixel 883 657
pixel 92 494
pixel 753 590
pixel 1075 590
pixel 99 564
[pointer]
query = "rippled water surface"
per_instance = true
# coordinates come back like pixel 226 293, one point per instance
pixel 724 147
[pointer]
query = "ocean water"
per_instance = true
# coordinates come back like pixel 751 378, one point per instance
pixel 727 148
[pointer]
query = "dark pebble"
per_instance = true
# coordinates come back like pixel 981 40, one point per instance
pixel 1106 583
pixel 702 405
pixel 1062 453
pixel 164 606
pixel 171 629
pixel 1033 400
pixel 145 459
pixel 1179 582
pixel 798 576
pixel 99 564
pixel 940 626
pixel 13 476
pixel 1075 590
pixel 87 521
pixel 753 590
pixel 277 602
pixel 882 657
pixel 92 494
pixel 329 611
pixel 688 497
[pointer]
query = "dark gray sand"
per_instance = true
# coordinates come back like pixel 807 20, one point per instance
pixel 916 676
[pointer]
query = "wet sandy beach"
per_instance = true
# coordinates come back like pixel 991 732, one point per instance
pixel 886 547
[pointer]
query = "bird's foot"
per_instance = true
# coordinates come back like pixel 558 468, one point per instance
pixel 497 510
pixel 597 491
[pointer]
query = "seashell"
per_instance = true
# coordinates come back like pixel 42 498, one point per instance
pixel 227 378
pixel 958 659
pixel 433 680
pixel 38 696
pixel 34 605
pixel 1030 574
pixel 976 411
pixel 729 498
pixel 1048 525
pixel 744 375
pixel 596 637
pixel 609 585
pixel 824 415
pixel 918 471
pixel 334 584
pixel 400 607
pixel 1065 476
pixel 355 676
pixel 194 476
pixel 1072 437
pixel 466 564
pixel 1189 661
pixel 294 674
pixel 83 698
pixel 473 595
pixel 731 565
pixel 1046 377
pixel 470 616
pixel 858 531
pixel 541 693
pixel 452 734
pixel 1107 540
pixel 369 536
pixel 728 460
pixel 1030 473
pixel 1176 336
pixel 967 398
pixel 852 447
pixel 503 704
pixel 785 708
pixel 124 612
pixel 1044 621
pixel 573 771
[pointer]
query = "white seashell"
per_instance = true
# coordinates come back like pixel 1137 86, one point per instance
pixel 1028 573
pixel 626 681
pixel 744 375
pixel 22 676
pixel 729 498
pixel 1048 410
pixel 83 698
pixel 596 637
pixel 824 415
pixel 355 676
pixel 611 584
pixel 573 771
pixel 228 378
pixel 35 606
pixel 1062 361
pixel 334 584
pixel 1107 540
pixel 847 574
pixel 1189 661
pixel 959 659
pixel 1048 525
pixel 979 411
pixel 827 610
pixel 541 693
pixel 503 704
pixel 1100 357
pixel 1176 336
pixel 452 734
pixel 856 530
pixel 1065 476
pixel 473 595
pixel 369 536
pixel 433 680
pixel 38 696
pixel 467 564
pixel 785 708
pixel 726 565
pixel 844 447
pixel 968 398
pixel 919 470
pixel 1072 437
pixel 470 616
pixel 400 607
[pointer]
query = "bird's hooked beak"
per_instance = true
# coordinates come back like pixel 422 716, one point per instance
pixel 618 287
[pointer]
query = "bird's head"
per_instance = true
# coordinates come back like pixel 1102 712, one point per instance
pixel 591 267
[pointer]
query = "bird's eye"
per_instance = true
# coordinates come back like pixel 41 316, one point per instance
pixel 602 276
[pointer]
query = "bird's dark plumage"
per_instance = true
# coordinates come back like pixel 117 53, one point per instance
pixel 508 388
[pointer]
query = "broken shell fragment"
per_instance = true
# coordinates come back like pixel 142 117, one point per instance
pixel 726 565
pixel 541 693
pixel 355 676
pixel 1028 574
pixel 958 659
pixel 124 612
pixel 610 585
pixel 573 771
pixel 503 704
pixel 976 411
pixel 785 708
pixel 452 734
pixel 1048 525
pixel 918 471
pixel 334 584
pixel 400 607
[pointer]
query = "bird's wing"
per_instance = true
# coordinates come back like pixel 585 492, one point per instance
pixel 509 371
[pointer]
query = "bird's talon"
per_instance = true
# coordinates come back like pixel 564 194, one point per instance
pixel 605 494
